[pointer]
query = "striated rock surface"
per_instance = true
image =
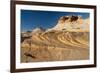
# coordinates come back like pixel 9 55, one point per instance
pixel 68 40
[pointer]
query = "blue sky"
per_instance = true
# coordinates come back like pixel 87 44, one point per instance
pixel 31 19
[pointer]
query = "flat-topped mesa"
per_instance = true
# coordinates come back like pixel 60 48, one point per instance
pixel 72 23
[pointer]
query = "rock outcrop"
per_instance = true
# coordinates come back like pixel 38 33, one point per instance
pixel 68 40
pixel 70 23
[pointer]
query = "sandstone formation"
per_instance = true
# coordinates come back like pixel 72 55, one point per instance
pixel 68 40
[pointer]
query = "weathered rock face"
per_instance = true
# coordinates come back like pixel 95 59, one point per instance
pixel 72 22
pixel 57 45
